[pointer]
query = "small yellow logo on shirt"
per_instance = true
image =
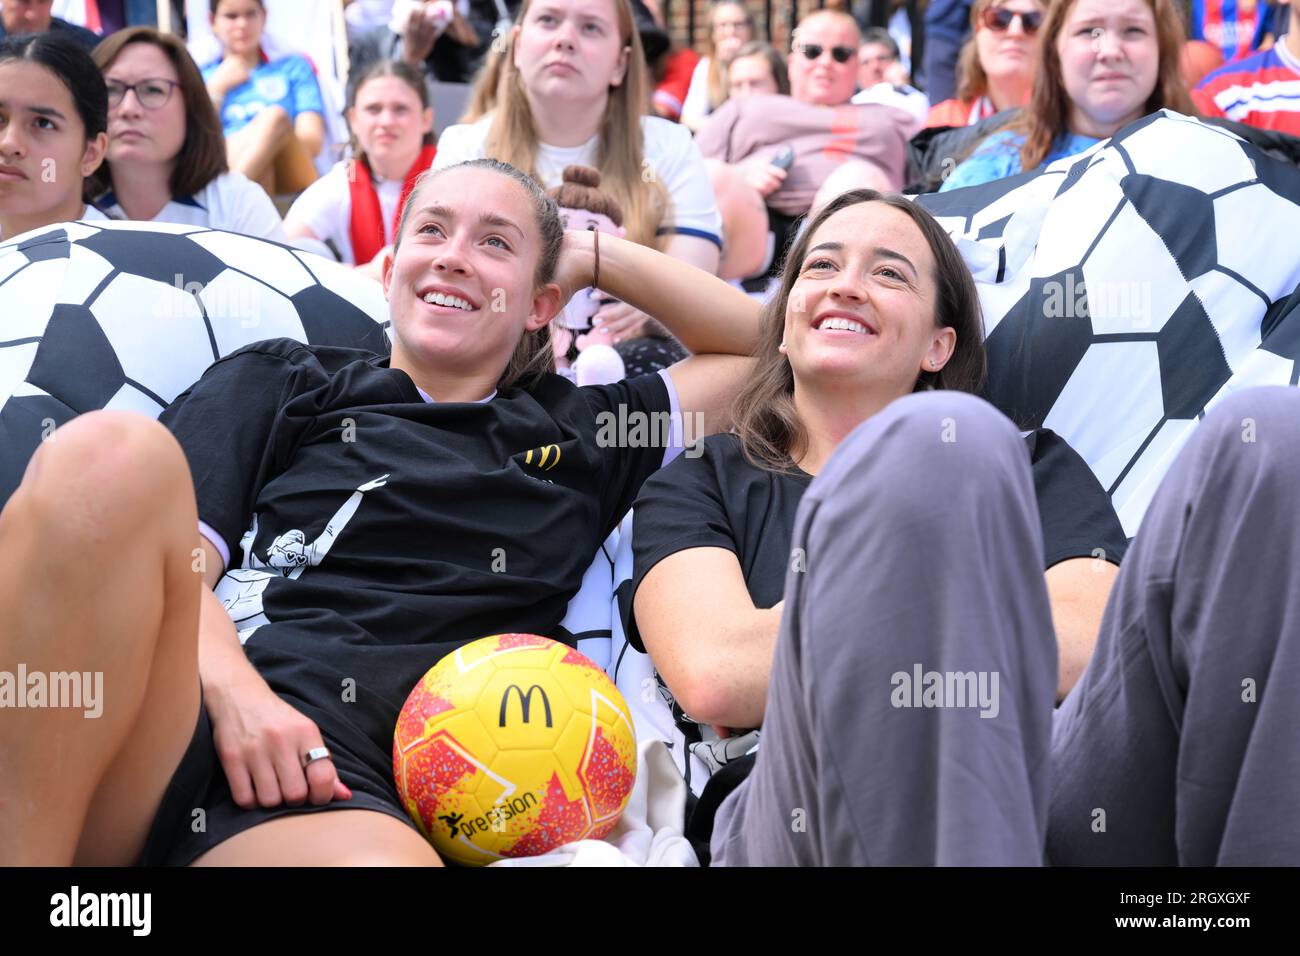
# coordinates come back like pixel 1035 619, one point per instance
pixel 548 456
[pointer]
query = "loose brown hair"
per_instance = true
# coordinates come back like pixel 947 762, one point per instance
pixel 398 70
pixel 202 157
pixel 1047 117
pixel 972 82
pixel 775 60
pixel 533 356
pixel 771 434
pixel 487 85
pixel 717 85
pixel 512 134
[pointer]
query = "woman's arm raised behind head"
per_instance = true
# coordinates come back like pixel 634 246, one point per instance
pixel 715 321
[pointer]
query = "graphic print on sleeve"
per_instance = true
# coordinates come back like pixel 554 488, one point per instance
pixel 240 589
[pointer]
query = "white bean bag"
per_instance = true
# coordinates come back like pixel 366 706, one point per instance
pixel 1127 290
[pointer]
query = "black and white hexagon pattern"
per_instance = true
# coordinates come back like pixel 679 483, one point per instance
pixel 1127 290
pixel 127 315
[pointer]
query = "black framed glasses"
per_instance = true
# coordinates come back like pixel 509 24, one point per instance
pixel 813 51
pixel 152 93
pixel 999 19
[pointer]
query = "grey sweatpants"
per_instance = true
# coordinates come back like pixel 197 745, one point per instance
pixel 1181 742
pixel 916 551
pixel 1171 749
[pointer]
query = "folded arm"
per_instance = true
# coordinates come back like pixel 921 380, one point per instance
pixel 708 641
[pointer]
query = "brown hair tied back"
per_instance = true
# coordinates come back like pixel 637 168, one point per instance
pixel 581 190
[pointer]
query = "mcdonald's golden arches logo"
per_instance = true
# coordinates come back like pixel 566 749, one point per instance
pixel 547 457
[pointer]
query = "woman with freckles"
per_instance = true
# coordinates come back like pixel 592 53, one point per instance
pixel 881 573
pixel 307 516
pixel 860 417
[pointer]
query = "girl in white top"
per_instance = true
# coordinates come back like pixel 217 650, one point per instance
pixel 573 91
pixel 166 152
pixel 356 205
pixel 53 114
pixel 731 26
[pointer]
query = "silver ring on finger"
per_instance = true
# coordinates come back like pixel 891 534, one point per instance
pixel 316 753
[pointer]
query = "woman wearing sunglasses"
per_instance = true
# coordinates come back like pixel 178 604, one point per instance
pixel 995 70
pixel 166 154
pixel 1102 64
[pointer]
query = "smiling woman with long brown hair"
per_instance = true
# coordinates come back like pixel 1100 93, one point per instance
pixel 875 331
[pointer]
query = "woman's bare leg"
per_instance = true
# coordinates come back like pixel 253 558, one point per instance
pixel 294 169
pixel 333 838
pixel 253 149
pixel 744 222
pixel 98 579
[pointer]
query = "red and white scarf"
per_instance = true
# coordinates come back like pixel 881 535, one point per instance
pixel 367 227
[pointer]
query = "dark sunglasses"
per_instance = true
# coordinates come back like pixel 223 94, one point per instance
pixel 813 51
pixel 152 94
pixel 999 19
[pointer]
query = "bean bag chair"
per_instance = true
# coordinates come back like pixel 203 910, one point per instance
pixel 1129 289
pixel 127 315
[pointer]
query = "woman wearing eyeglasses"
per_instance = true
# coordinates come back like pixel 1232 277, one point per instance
pixel 995 70
pixel 166 154
pixel 1102 65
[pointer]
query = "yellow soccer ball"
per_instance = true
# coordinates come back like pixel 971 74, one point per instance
pixel 511 746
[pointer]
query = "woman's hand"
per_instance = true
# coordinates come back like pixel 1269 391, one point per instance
pixel 261 742
pixel 230 74
pixel 620 320
pixel 763 176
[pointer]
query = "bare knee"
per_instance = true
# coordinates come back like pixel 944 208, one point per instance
pixel 115 466
pixel 276 119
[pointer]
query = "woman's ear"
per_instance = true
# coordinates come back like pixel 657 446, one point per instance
pixel 940 351
pixel 94 155
pixel 514 45
pixel 428 120
pixel 547 304
pixel 620 68
pixel 621 232
pixel 386 270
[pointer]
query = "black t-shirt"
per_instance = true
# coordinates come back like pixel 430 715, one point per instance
pixel 372 532
pixel 720 500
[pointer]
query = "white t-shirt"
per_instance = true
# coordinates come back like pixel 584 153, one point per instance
pixel 696 106
pixel 231 202
pixel 325 208
pixel 670 152
pixel 906 98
